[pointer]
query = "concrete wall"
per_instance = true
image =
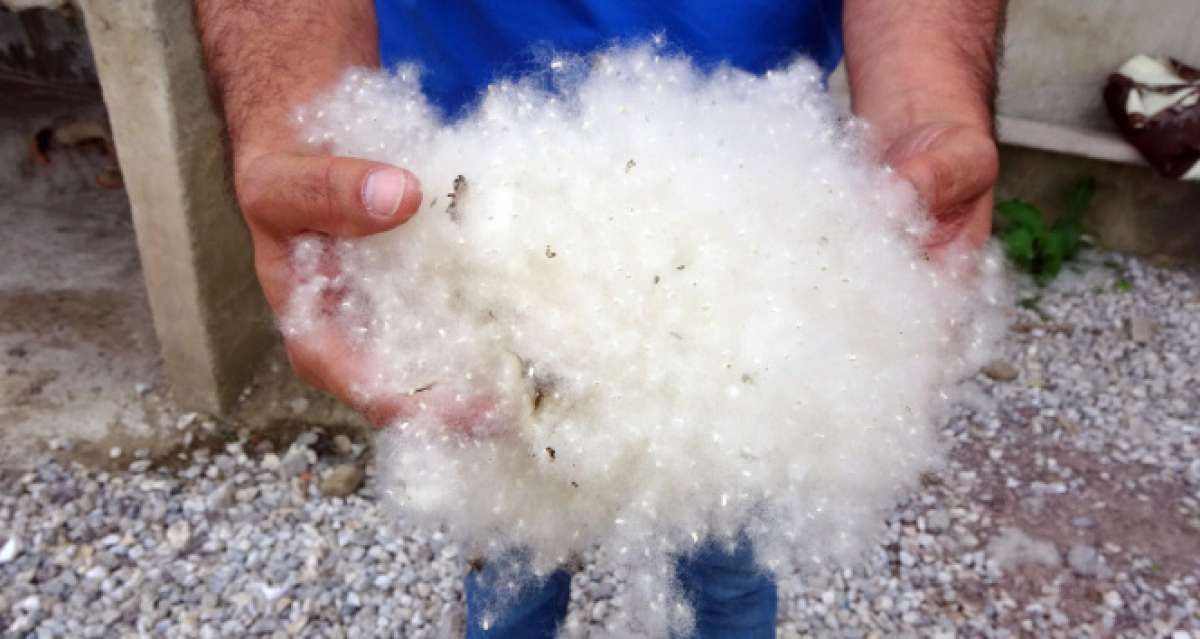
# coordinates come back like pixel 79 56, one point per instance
pixel 209 314
pixel 1134 210
pixel 1058 53
pixel 22 5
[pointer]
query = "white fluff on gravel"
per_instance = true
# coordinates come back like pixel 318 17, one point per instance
pixel 693 304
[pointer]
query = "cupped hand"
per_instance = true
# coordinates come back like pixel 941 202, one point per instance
pixel 287 194
pixel 923 75
pixel 953 168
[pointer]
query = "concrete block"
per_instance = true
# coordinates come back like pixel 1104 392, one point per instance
pixel 1097 144
pixel 1134 210
pixel 209 315
pixel 22 5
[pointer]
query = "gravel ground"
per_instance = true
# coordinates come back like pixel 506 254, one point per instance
pixel 1070 506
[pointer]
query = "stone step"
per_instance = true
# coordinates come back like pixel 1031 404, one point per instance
pixel 1092 143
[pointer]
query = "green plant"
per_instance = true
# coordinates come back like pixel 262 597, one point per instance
pixel 1036 247
pixel 1122 282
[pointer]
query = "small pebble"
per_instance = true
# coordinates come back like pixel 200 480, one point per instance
pixel 341 480
pixel 179 534
pixel 1000 371
pixel 1142 328
pixel 10 550
pixel 298 405
pixel 1084 560
pixel 343 445
pixel 1113 600
pixel 937 521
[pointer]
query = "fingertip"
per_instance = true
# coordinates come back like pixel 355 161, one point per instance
pixel 391 193
pixel 412 197
pixel 382 190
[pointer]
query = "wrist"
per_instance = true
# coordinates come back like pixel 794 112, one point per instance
pixel 267 122
pixel 268 57
pixel 897 93
pixel 893 112
pixel 922 61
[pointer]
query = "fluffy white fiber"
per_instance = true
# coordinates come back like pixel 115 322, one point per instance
pixel 694 304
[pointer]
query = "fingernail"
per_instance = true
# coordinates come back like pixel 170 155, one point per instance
pixel 382 191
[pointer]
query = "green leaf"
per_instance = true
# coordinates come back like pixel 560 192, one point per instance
pixel 1033 245
pixel 1079 196
pixel 1018 244
pixel 1015 214
pixel 1069 232
pixel 1052 252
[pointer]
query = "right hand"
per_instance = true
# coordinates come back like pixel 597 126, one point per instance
pixel 286 194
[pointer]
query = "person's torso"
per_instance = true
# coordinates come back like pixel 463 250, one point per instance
pixel 463 45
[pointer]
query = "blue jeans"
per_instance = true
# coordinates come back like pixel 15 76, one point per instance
pixel 732 599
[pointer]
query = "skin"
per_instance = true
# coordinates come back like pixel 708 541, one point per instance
pixel 922 72
pixel 267 57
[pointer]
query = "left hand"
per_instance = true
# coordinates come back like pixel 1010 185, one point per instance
pixel 923 74
pixel 953 168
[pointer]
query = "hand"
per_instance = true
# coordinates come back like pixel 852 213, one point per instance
pixel 266 58
pixel 953 168
pixel 923 74
pixel 286 194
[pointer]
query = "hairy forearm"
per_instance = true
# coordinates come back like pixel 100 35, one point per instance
pixel 267 57
pixel 913 60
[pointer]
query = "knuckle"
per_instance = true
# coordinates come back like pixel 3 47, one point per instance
pixel 328 183
pixel 984 153
pixel 325 201
pixel 313 191
pixel 281 191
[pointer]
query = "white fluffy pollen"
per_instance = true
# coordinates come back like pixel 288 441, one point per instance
pixel 673 305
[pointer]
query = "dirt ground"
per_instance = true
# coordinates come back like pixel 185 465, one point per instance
pixel 79 365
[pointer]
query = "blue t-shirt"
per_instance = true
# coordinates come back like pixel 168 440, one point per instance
pixel 463 45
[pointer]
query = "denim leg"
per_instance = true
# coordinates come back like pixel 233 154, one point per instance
pixel 733 598
pixel 533 612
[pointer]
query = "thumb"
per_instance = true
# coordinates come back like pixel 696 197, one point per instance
pixel 290 193
pixel 950 166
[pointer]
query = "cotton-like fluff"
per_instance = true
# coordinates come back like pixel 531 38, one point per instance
pixel 681 305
